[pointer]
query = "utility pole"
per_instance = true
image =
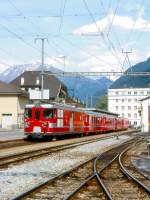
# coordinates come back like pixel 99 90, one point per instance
pixel 91 101
pixel 42 65
pixel 64 57
pixel 127 56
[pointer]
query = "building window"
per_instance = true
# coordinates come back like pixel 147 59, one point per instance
pixel 122 107
pixel 135 123
pixel 129 115
pixel 116 107
pixel 122 114
pixel 122 100
pixel 117 93
pixel 37 81
pixel 135 92
pixel 148 92
pixel 129 100
pixel 116 100
pixel 135 100
pixel 135 107
pixel 22 80
pixel 135 115
pixel 129 93
pixel 129 107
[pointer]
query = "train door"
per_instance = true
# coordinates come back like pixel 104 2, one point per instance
pixel 60 118
pixel 71 121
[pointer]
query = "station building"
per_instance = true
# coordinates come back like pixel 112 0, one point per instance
pixel 30 81
pixel 126 102
pixel 12 102
pixel 145 114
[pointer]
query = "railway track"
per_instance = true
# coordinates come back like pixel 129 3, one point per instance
pixel 16 158
pixel 23 142
pixel 114 179
pixel 126 159
pixel 91 180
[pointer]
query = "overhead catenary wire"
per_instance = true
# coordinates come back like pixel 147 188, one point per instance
pixel 86 52
pixel 36 27
pixel 20 13
pixel 62 15
pixel 112 29
pixel 113 18
pixel 133 26
pixel 110 46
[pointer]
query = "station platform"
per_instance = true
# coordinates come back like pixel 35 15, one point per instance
pixel 11 134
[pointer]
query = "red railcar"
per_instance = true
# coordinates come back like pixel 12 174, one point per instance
pixel 58 119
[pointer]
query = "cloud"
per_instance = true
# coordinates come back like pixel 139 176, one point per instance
pixel 122 22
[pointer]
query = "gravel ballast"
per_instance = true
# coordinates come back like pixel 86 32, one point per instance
pixel 20 178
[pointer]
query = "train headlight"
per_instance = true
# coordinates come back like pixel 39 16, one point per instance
pixel 51 125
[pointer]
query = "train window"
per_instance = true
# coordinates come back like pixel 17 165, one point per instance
pixel 37 114
pixel 48 113
pixel 28 113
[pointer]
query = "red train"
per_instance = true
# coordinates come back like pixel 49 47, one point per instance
pixel 60 119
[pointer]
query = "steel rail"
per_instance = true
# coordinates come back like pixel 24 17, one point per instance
pixel 24 194
pixel 42 152
pixel 32 190
pixel 109 196
pixel 128 174
pixel 95 175
pixel 18 157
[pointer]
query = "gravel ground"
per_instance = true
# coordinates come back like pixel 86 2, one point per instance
pixel 17 179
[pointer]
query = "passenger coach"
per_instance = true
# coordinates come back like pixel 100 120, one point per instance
pixel 60 119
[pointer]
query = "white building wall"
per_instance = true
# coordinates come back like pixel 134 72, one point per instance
pixel 145 115
pixel 126 103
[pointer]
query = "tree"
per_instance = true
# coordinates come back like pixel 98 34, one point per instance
pixel 102 103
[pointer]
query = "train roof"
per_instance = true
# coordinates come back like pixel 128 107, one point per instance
pixel 101 111
pixel 91 111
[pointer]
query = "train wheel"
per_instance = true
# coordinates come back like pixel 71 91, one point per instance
pixel 29 138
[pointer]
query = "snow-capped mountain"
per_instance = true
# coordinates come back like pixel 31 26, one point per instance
pixel 11 73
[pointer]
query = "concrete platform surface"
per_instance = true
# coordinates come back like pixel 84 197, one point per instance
pixel 6 134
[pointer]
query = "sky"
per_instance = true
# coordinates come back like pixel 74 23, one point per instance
pixel 90 34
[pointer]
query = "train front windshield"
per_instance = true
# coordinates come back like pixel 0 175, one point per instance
pixel 28 113
pixel 48 113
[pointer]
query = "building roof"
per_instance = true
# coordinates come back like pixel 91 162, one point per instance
pixel 9 89
pixel 50 82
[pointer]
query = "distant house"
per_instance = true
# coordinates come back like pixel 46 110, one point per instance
pixel 12 102
pixel 31 80
pixel 145 114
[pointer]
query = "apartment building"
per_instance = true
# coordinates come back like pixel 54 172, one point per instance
pixel 126 102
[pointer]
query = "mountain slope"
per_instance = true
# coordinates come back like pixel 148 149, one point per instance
pixel 83 88
pixel 134 81
pixel 80 87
